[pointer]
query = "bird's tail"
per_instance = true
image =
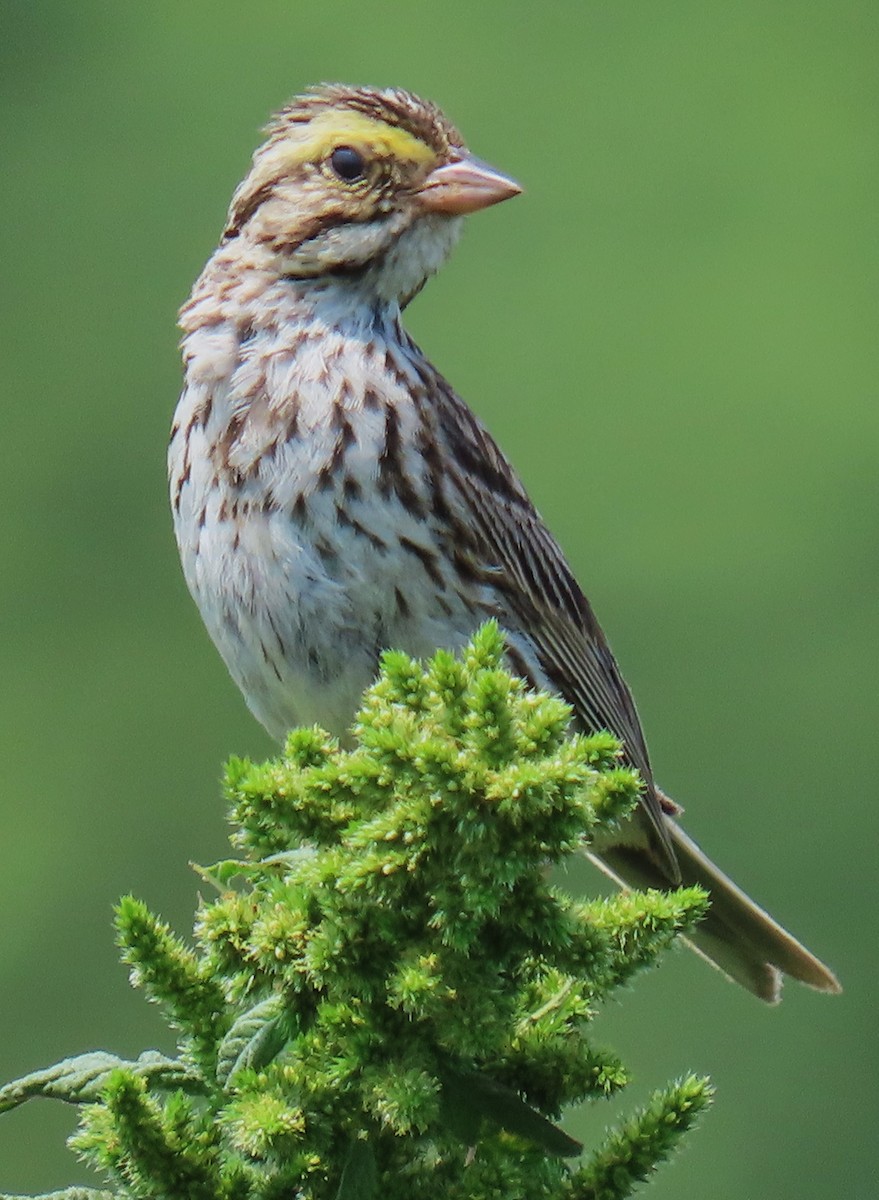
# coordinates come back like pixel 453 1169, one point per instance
pixel 736 936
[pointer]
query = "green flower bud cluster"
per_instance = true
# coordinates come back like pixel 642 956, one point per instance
pixel 389 997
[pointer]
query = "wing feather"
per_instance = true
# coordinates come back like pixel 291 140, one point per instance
pixel 540 596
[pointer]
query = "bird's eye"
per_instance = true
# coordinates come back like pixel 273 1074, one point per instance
pixel 348 164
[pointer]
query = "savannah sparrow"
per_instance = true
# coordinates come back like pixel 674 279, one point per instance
pixel 333 496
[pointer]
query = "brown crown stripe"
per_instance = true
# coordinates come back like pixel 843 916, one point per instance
pixel 395 107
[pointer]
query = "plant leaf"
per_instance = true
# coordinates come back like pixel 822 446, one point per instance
pixel 81 1080
pixel 71 1193
pixel 359 1176
pixel 468 1098
pixel 255 1038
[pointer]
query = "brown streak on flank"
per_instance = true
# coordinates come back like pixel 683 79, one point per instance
pixel 223 447
pixel 428 446
pixel 351 489
pixel 439 505
pixel 392 476
pixel 327 553
pixel 269 661
pixel 473 448
pixel 390 463
pixel 476 463
pixel 346 436
pixel 403 609
pixel 426 375
pixel 466 568
pixel 489 610
pixel 182 480
pixel 281 645
pixel 396 371
pixel 373 538
pixel 345 519
pixel 338 460
pixel 437 471
pixel 428 560
pixel 371 400
pixel 299 511
pixel 199 417
pixel 518 665
pixel 342 426
pixel 460 533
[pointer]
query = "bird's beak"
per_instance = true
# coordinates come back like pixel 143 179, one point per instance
pixel 465 186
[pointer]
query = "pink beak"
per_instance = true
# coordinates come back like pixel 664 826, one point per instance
pixel 465 186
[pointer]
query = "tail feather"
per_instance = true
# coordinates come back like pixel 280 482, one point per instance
pixel 737 936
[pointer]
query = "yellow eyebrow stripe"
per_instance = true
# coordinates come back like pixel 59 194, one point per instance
pixel 346 127
pixel 297 144
pixel 342 127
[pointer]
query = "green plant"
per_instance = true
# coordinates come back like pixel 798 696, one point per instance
pixel 388 997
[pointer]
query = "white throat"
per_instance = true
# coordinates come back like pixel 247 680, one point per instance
pixel 418 253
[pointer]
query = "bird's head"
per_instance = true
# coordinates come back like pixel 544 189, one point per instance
pixel 363 184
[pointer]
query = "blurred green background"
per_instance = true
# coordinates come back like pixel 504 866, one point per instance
pixel 672 333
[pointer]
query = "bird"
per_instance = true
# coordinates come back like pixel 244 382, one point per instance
pixel 333 496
